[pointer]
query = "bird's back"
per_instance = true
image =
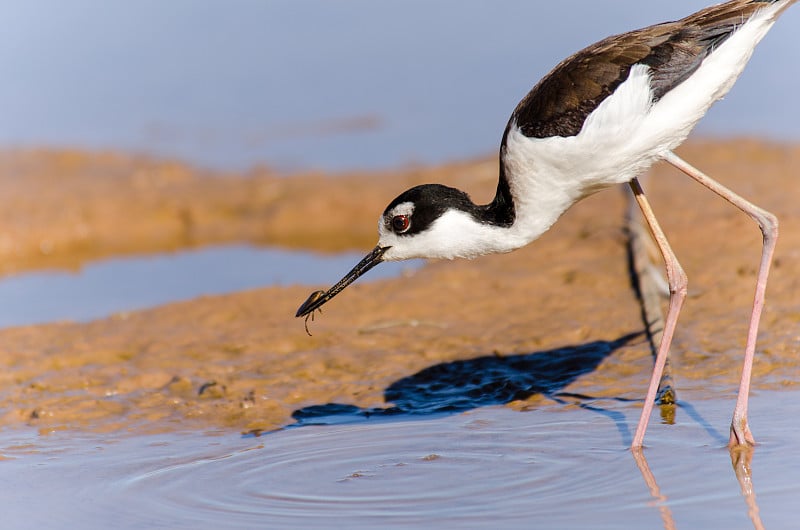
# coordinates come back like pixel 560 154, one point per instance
pixel 560 103
pixel 607 113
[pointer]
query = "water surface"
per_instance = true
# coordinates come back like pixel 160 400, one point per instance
pixel 125 284
pixel 553 467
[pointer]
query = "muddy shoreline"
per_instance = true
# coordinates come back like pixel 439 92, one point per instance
pixel 242 362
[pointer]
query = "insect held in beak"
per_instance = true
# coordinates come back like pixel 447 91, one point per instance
pixel 316 295
pixel 317 298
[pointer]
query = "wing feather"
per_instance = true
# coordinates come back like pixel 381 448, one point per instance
pixel 560 103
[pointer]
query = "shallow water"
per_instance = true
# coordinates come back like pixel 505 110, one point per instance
pixel 125 284
pixel 557 466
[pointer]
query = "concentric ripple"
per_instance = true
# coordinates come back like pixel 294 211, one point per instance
pixel 460 469
pixel 555 467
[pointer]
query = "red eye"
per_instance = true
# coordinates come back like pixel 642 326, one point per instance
pixel 400 223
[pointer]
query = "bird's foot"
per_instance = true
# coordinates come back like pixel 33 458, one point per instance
pixel 740 434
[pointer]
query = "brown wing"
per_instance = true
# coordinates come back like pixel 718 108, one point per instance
pixel 560 103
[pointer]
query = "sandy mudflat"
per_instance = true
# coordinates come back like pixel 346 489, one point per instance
pixel 242 361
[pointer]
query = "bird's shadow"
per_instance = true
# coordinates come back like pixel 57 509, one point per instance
pixel 458 386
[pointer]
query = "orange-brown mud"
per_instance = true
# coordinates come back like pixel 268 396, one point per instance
pixel 243 362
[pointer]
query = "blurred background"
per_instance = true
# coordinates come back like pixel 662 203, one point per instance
pixel 300 84
pixel 293 85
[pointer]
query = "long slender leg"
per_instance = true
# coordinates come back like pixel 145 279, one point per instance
pixel 768 223
pixel 649 285
pixel 677 281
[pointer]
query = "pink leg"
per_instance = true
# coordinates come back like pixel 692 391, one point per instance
pixel 677 293
pixel 740 432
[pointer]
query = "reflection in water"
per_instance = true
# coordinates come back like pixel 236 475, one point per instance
pixel 741 459
pixel 491 380
pixel 655 491
pixel 550 467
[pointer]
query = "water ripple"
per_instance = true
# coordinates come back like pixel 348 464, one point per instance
pixel 554 467
pixel 389 472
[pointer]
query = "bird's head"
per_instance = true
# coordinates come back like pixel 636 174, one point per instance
pixel 427 221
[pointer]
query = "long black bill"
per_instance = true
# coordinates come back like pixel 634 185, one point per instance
pixel 318 298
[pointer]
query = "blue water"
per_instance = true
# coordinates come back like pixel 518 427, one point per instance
pixel 555 466
pixel 314 83
pixel 124 284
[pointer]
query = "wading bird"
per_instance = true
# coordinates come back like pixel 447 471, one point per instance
pixel 601 117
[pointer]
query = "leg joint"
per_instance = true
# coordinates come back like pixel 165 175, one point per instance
pixel 681 287
pixel 768 223
pixel 678 281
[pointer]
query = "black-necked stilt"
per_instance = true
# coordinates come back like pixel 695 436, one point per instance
pixel 601 117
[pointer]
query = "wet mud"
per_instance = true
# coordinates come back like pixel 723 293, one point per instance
pixel 555 320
